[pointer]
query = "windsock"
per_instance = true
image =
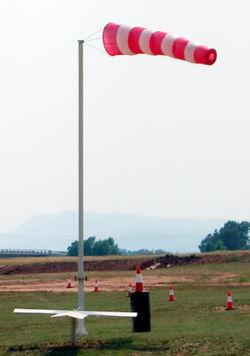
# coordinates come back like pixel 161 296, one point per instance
pixel 138 279
pixel 230 305
pixel 124 40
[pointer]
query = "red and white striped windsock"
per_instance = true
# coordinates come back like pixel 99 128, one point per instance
pixel 230 304
pixel 138 279
pixel 124 40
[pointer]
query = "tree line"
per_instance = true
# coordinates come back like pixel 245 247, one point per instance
pixel 232 236
pixel 106 247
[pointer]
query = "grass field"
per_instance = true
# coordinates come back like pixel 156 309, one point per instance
pixel 191 325
pixel 196 324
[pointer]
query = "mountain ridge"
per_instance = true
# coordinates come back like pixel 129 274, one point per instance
pixel 57 231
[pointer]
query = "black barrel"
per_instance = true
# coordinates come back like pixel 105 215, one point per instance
pixel 140 304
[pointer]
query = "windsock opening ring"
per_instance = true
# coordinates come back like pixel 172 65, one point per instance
pixel 211 56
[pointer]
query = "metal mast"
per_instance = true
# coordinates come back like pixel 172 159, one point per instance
pixel 81 327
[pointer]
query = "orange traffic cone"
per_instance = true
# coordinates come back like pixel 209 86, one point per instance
pixel 171 297
pixel 96 286
pixel 230 305
pixel 130 290
pixel 69 285
pixel 138 279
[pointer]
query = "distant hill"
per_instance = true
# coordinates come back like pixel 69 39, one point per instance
pixel 56 232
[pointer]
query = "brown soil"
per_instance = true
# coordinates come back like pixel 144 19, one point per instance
pixel 54 267
pixel 222 277
pixel 111 283
pixel 106 284
pixel 244 307
pixel 128 264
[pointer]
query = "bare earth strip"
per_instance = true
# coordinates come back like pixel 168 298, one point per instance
pixel 115 274
pixel 110 284
pixel 106 284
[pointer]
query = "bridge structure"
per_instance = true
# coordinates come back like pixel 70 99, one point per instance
pixel 4 253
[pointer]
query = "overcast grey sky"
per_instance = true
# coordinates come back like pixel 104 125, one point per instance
pixel 163 137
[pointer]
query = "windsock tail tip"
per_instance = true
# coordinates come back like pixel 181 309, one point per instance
pixel 211 56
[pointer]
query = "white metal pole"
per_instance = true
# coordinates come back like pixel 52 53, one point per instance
pixel 81 327
pixel 73 331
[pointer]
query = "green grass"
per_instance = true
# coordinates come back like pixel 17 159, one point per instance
pixel 189 326
pixel 34 260
pixel 195 324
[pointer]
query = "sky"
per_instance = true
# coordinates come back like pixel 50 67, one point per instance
pixel 162 137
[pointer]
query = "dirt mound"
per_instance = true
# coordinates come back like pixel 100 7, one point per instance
pixel 170 260
pixel 54 267
pixel 98 265
pixel 125 264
